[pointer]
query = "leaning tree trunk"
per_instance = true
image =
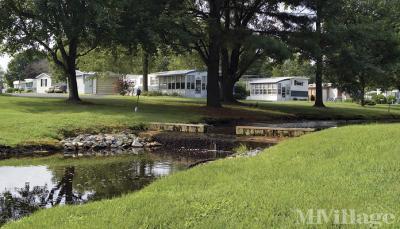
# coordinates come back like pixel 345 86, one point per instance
pixel 145 71
pixel 213 99
pixel 319 101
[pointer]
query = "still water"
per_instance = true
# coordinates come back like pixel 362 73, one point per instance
pixel 26 189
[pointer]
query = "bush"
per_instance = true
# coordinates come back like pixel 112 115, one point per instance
pixel 240 92
pixel 369 102
pixel 379 99
pixel 391 99
pixel 152 93
pixel 312 97
pixel 121 87
pixel 175 94
pixel 28 91
pixel 10 90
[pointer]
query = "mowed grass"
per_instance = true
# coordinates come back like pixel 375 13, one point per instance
pixel 41 120
pixel 354 167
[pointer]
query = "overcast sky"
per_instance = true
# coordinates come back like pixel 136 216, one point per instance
pixel 4 59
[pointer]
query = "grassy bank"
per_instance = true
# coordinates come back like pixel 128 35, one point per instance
pixel 40 120
pixel 355 167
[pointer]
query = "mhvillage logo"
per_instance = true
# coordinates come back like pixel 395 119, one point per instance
pixel 344 217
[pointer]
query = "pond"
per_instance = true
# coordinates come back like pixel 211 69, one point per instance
pixel 25 189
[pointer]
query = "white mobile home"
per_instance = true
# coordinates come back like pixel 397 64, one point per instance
pixel 187 83
pixel 27 84
pixel 279 89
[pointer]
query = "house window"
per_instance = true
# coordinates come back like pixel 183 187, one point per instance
pixel 298 83
pixel 163 83
pixel 204 82
pixel 279 89
pixel 191 84
pixel 173 82
pixel 43 82
pixel 153 81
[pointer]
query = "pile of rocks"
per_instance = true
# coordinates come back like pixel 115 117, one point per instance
pixel 100 142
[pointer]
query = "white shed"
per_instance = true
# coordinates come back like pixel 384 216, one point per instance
pixel 43 83
pixel 279 89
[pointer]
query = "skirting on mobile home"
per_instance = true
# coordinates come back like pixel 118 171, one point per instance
pixel 279 89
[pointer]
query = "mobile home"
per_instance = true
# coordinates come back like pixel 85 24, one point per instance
pixel 279 89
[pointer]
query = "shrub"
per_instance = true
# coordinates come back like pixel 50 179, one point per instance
pixel 175 94
pixel 152 93
pixel 312 97
pixel 379 99
pixel 369 102
pixel 10 90
pixel 391 99
pixel 121 87
pixel 29 91
pixel 240 92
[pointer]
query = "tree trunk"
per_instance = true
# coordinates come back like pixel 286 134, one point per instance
pixel 145 71
pixel 69 67
pixel 319 101
pixel 226 80
pixel 72 86
pixel 362 96
pixel 213 99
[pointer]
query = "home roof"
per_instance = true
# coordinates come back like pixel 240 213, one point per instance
pixel 173 73
pixel 43 75
pixel 277 79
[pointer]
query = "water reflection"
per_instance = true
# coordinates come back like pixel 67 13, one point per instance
pixel 27 189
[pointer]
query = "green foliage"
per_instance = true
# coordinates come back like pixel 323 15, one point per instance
pixel 240 92
pixel 64 30
pixel 382 99
pixel 368 47
pixel 152 93
pixel 122 87
pixel 379 99
pixel 391 99
pixel 26 65
pixel 121 61
pixel 11 90
pixel 295 67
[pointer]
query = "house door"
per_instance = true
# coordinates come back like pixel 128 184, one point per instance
pixel 198 87
pixel 88 86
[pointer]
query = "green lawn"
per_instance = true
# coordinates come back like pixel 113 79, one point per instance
pixel 40 121
pixel 354 167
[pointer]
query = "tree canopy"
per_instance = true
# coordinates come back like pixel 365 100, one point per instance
pixel 26 65
pixel 64 30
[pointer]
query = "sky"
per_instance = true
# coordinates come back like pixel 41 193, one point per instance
pixel 4 59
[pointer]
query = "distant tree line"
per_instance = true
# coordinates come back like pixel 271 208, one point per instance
pixel 352 43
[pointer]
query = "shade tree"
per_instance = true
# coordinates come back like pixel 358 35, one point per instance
pixel 63 29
